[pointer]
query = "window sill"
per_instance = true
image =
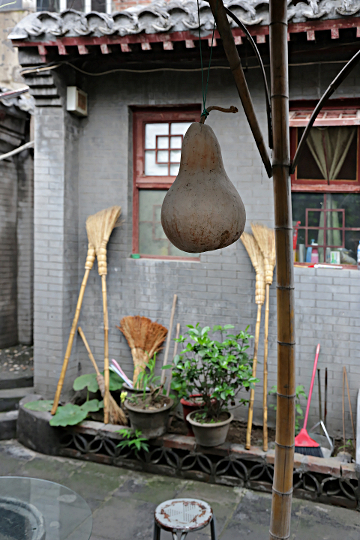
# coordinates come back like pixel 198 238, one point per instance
pixel 166 258
pixel 326 266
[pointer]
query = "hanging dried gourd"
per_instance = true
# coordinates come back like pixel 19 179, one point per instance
pixel 202 211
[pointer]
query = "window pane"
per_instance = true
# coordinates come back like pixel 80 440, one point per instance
pixel 152 168
pixel 175 156
pixel 175 142
pixel 163 156
pixel 162 142
pixel 151 130
pixel 78 5
pixel 331 234
pixel 152 239
pixel 174 169
pixel 179 128
pixel 48 5
pixel 98 5
pixel 329 153
pixel 351 204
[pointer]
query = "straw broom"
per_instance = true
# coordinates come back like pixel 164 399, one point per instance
pixel 144 338
pixel 99 228
pixel 265 238
pixel 117 415
pixel 257 261
pixel 90 258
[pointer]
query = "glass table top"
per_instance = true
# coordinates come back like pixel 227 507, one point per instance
pixel 33 509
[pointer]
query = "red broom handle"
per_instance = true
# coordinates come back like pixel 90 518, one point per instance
pixel 312 384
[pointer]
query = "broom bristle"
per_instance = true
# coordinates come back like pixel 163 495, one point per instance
pixel 117 415
pixel 257 261
pixel 99 227
pixel 309 451
pixel 265 237
pixel 144 338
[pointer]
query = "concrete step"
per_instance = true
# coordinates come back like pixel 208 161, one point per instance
pixel 9 382
pixel 8 425
pixel 9 398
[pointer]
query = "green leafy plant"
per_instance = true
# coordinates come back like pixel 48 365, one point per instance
pixel 299 413
pixel 89 381
pixel 133 440
pixel 152 392
pixel 70 414
pixel 40 405
pixel 347 447
pixel 217 370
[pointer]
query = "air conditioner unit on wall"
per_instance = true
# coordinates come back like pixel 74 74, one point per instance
pixel 76 101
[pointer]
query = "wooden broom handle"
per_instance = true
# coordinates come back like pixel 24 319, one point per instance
pixel 88 350
pixel 175 353
pixel 106 351
pixel 350 407
pixel 168 339
pixel 266 343
pixel 88 265
pixel 252 390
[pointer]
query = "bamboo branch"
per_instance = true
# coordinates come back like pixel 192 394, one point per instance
pixel 222 23
pixel 252 390
pixel 168 338
pixel 88 265
pixel 265 376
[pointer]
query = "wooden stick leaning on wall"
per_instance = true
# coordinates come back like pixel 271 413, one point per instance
pixel 350 407
pixel 99 228
pixel 168 338
pixel 257 260
pixel 265 238
pixel 90 258
pixel 175 353
pixel 117 415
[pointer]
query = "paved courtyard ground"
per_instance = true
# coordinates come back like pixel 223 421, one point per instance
pixel 123 501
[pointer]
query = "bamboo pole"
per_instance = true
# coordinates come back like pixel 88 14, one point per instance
pixel 252 390
pixel 90 258
pixel 175 353
pixel 168 339
pixel 285 413
pixel 106 350
pixel 265 369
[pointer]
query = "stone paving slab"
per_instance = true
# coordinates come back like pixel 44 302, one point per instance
pixel 123 501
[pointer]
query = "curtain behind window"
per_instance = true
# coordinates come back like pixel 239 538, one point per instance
pixel 329 148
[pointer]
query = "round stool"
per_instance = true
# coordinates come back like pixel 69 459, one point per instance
pixel 183 516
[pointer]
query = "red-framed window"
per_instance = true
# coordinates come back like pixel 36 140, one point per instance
pixel 326 185
pixel 157 140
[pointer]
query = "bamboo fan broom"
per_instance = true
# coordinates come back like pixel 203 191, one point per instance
pixel 90 258
pixel 144 338
pixel 265 238
pixel 257 261
pixel 117 415
pixel 99 228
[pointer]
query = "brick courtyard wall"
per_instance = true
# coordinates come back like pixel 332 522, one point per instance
pixel 25 246
pixel 8 292
pixel 219 288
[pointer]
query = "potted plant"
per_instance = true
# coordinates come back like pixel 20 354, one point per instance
pixel 216 371
pixel 149 411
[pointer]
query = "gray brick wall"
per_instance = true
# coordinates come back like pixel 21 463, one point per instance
pixel 16 232
pixel 218 289
pixel 8 203
pixel 25 247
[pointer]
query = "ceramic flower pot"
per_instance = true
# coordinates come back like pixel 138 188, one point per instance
pixel 211 434
pixel 193 403
pixel 151 422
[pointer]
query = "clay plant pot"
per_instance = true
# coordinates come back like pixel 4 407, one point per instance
pixel 210 434
pixel 152 423
pixel 189 405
